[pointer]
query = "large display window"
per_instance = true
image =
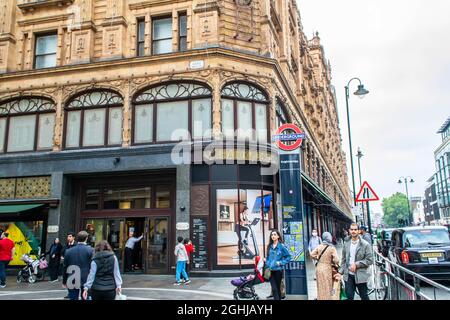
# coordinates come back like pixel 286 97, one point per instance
pixel 244 218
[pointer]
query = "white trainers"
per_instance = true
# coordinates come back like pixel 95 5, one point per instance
pixel 187 282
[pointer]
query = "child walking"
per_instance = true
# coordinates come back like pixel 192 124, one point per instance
pixel 182 258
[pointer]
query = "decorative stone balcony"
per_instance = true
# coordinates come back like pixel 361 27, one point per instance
pixel 31 5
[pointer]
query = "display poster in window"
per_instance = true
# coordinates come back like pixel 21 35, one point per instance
pixel 200 242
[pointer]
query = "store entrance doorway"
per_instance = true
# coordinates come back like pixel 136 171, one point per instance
pixel 134 244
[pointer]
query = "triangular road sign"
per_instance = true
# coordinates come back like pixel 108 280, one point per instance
pixel 366 193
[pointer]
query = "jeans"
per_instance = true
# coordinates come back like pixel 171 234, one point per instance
pixel 350 288
pixel 3 265
pixel 181 269
pixel 275 283
pixel 74 294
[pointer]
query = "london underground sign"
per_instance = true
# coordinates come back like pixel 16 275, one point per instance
pixel 284 134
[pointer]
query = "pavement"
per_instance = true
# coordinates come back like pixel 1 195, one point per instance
pixel 153 287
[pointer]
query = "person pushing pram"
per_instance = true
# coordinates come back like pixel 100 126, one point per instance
pixel 245 284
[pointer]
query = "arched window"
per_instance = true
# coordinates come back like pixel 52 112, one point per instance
pixel 94 119
pixel 170 111
pixel 244 112
pixel 27 124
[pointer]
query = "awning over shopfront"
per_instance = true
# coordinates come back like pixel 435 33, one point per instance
pixel 14 211
pixel 322 198
pixel 17 208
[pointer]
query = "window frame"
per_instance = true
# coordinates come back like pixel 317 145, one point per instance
pixel 82 109
pixel 35 55
pixel 253 103
pixel 140 20
pixel 37 115
pixel 154 19
pixel 154 104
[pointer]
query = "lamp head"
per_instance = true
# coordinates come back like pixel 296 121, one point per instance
pixel 361 92
pixel 412 180
pixel 400 181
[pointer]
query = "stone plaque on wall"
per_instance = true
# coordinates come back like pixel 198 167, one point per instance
pixel 208 32
pixel 200 200
pixel 112 42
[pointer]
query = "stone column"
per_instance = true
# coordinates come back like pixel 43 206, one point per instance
pixel 183 198
pixel 216 106
pixel 54 214
pixel 127 108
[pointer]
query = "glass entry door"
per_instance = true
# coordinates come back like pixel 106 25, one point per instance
pixel 157 245
pixel 115 234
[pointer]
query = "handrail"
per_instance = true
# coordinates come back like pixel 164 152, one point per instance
pixel 415 275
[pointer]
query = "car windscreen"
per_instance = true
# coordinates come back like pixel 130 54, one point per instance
pixel 426 237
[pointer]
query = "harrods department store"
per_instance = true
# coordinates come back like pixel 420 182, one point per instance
pixel 96 94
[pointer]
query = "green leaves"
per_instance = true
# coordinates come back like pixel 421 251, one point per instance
pixel 395 209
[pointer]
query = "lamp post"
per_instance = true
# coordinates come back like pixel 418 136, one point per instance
pixel 359 155
pixel 411 180
pixel 361 92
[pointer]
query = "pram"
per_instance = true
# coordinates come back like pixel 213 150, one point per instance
pixel 34 270
pixel 245 285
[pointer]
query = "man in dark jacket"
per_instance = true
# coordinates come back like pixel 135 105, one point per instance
pixel 77 262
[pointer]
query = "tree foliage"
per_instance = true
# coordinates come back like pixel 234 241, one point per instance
pixel 395 209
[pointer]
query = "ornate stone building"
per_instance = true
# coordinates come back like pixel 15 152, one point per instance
pixel 92 93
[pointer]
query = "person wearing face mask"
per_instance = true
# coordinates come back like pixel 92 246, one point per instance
pixel 314 242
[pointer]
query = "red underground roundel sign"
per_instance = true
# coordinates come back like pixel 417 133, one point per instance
pixel 289 133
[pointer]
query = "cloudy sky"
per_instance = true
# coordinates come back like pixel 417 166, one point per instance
pixel 400 51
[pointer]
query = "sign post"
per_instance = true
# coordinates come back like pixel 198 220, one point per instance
pixel 367 194
pixel 292 208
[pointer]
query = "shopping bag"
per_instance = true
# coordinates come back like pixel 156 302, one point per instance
pixel 121 297
pixel 343 295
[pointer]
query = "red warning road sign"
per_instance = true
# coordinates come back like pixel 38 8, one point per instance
pixel 366 193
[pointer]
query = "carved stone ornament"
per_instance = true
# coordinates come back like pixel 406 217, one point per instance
pixel 243 2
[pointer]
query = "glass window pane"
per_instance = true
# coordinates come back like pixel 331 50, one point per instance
pixel 92 198
pixel 141 49
pixel 94 127
pixel 46 44
pixel 228 211
pixel 141 31
pixel 261 122
pixel 172 121
pixel 2 133
pixel 127 198
pixel 46 131
pixel 162 197
pixel 227 118
pixel 47 61
pixel 143 124
pixel 201 117
pixel 244 120
pixel 94 227
pixel 183 25
pixel 73 129
pixel 21 133
pixel 115 126
pixel 183 44
pixel 162 46
pixel 162 29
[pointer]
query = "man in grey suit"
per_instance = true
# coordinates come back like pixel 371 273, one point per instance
pixel 355 262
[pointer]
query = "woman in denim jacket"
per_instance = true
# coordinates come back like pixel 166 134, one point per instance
pixel 277 257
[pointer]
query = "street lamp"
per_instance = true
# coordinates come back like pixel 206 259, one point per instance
pixel 359 155
pixel 411 180
pixel 361 93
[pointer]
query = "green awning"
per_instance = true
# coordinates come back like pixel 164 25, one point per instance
pixel 17 208
pixel 322 193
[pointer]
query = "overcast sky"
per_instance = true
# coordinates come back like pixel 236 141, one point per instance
pixel 401 51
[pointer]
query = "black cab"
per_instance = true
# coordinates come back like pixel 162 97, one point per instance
pixel 424 250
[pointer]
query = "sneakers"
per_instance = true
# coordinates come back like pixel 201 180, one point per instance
pixel 2 285
pixel 187 281
pixel 52 281
pixel 270 297
pixel 182 281
pixel 177 283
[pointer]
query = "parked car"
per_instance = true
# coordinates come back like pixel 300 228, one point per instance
pixel 384 241
pixel 424 250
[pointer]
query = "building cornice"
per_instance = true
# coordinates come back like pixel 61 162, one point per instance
pixel 49 19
